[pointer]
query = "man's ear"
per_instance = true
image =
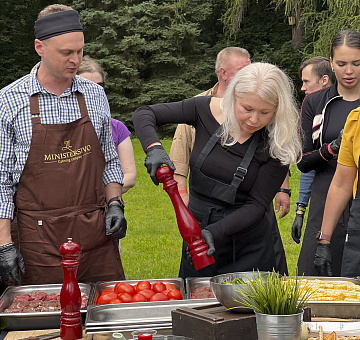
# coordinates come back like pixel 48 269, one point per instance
pixel 325 80
pixel 222 73
pixel 39 47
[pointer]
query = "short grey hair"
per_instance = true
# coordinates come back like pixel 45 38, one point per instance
pixel 228 52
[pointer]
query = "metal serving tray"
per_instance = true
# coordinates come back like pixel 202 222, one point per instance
pixel 191 283
pixel 131 316
pixel 333 309
pixel 100 286
pixel 35 320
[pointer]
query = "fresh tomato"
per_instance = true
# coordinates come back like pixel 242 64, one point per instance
pixel 107 290
pixel 117 287
pixel 148 293
pixel 174 294
pixel 159 297
pixel 139 298
pixel 125 297
pixel 115 301
pixel 106 297
pixel 158 287
pixel 170 286
pixel 125 288
pixel 142 285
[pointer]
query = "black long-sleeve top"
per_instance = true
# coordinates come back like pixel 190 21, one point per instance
pixel 265 174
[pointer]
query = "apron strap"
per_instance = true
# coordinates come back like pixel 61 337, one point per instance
pixel 82 104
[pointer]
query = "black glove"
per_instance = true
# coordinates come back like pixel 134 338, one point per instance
pixel 11 262
pixel 155 158
pixel 323 260
pixel 335 144
pixel 298 222
pixel 209 240
pixel 115 222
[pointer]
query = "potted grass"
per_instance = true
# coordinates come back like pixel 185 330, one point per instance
pixel 278 303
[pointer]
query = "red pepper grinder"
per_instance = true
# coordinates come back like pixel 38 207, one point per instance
pixel 188 226
pixel 145 336
pixel 70 295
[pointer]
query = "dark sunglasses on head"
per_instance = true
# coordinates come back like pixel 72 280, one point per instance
pixel 101 84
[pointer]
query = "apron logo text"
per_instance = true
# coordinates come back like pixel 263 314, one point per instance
pixel 69 155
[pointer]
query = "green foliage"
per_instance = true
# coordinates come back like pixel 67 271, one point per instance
pixel 274 295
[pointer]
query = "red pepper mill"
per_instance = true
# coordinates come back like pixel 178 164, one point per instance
pixel 188 226
pixel 70 296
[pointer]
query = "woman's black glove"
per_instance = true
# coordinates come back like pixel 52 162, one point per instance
pixel 298 222
pixel 155 158
pixel 11 262
pixel 115 222
pixel 209 240
pixel 323 260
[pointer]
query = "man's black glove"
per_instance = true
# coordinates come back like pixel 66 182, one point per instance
pixel 335 144
pixel 115 222
pixel 11 262
pixel 155 158
pixel 298 222
pixel 323 260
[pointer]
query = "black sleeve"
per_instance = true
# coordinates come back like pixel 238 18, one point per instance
pixel 146 118
pixel 268 181
pixel 311 158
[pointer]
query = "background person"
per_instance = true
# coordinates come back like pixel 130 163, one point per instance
pixel 257 108
pixel 56 148
pixel 323 117
pixel 92 70
pixel 316 74
pixel 228 62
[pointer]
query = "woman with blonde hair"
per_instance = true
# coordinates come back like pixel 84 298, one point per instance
pixel 92 70
pixel 244 145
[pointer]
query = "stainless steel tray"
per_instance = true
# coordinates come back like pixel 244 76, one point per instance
pixel 35 320
pixel 100 286
pixel 132 316
pixel 192 283
pixel 334 309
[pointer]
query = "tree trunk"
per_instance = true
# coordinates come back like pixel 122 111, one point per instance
pixel 298 28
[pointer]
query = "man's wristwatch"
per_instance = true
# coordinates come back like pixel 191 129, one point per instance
pixel 320 236
pixel 287 191
pixel 117 199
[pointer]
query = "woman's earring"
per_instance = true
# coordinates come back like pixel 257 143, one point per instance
pixel 332 69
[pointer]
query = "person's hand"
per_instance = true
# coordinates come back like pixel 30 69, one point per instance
pixel 155 158
pixel 282 199
pixel 185 198
pixel 115 222
pixel 209 240
pixel 335 144
pixel 296 227
pixel 11 262
pixel 323 260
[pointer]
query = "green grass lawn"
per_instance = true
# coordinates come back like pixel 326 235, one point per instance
pixel 152 246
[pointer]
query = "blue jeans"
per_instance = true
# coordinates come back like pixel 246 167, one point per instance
pixel 306 180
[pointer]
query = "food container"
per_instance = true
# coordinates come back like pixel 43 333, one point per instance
pixel 199 288
pixel 333 309
pixel 100 286
pixel 35 320
pixel 227 294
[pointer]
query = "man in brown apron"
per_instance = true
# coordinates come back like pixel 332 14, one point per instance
pixel 61 191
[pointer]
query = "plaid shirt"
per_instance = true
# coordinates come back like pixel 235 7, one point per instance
pixel 16 127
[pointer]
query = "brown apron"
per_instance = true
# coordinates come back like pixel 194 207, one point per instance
pixel 61 194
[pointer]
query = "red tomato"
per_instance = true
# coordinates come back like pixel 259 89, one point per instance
pixel 106 297
pixel 174 294
pixel 117 287
pixel 107 290
pixel 115 301
pixel 169 286
pixel 139 298
pixel 158 287
pixel 125 297
pixel 159 297
pixel 142 285
pixel 125 288
pixel 148 293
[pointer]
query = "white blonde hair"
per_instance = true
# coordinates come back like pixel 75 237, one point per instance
pixel 275 87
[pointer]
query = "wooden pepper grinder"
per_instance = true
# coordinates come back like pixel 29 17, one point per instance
pixel 70 295
pixel 188 226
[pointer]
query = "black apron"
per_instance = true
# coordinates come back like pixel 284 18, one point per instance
pixel 210 201
pixel 320 187
pixel 351 256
